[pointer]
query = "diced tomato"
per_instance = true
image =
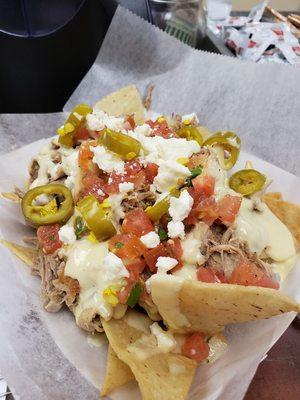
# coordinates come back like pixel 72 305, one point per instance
pixel 197 160
pixel 135 267
pixel 207 275
pixel 137 222
pixel 48 238
pixel 195 347
pixel 126 246
pixel 161 129
pixel 85 158
pixel 133 172
pixel 152 255
pixel 82 133
pixel 129 123
pixel 204 185
pixel 94 185
pixel 125 291
pixel 205 210
pixel 248 274
pixel 174 250
pixel 151 172
pixel 228 207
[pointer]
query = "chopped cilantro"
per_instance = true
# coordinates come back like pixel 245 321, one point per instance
pixel 119 245
pixel 162 234
pixel 52 238
pixel 194 173
pixel 134 295
pixel 80 227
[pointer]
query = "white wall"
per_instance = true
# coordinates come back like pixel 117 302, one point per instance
pixel 280 5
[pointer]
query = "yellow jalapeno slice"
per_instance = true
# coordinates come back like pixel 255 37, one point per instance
pixel 96 216
pixel 159 209
pixel 75 120
pixel 56 211
pixel 190 133
pixel 230 143
pixel 123 145
pixel 247 181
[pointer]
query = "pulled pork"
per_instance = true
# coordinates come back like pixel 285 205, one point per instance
pixel 56 288
pixel 223 251
pixel 142 197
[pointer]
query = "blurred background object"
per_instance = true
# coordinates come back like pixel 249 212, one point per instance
pixel 48 46
pixel 183 19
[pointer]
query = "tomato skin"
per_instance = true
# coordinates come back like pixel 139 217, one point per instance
pixel 85 158
pixel 161 129
pixel 126 246
pixel 207 275
pixel 204 185
pixel 195 347
pixel 248 274
pixel 135 268
pixel 48 238
pixel 151 171
pixel 152 255
pixel 137 222
pixel 204 208
pixel 91 185
pixel 228 207
pixel 174 250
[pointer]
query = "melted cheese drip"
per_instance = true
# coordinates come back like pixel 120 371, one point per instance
pixel 166 299
pixel 85 263
pixel 264 231
pixel 283 268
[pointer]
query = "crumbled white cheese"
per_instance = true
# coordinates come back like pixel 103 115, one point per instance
pixel 180 208
pixel 67 234
pixel 144 130
pixel 187 118
pixel 150 240
pixel 165 340
pixel 107 161
pixel 165 264
pixel 126 187
pixel 70 182
pixel 98 120
pixel 41 200
pixel 168 174
pixel 175 229
pixel 70 163
pixel 148 285
pixel 113 268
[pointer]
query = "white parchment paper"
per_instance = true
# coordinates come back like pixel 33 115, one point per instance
pixel 45 356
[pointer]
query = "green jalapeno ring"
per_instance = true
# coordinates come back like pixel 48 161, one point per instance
pixel 123 145
pixel 96 217
pixel 32 213
pixel 224 140
pixel 190 133
pixel 247 181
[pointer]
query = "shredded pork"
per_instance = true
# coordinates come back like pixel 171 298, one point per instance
pixel 223 251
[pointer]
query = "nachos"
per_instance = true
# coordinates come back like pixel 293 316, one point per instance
pixel 143 233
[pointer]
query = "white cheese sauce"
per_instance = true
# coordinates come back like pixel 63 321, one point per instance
pixel 85 263
pixel 165 297
pixel 264 231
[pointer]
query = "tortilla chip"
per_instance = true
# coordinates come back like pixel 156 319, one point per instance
pixel 287 212
pixel 125 101
pixel 26 254
pixel 11 196
pixel 155 380
pixel 117 373
pixel 217 347
pixel 275 195
pixel 208 307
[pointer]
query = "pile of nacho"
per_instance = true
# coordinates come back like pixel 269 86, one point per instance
pixel 140 229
